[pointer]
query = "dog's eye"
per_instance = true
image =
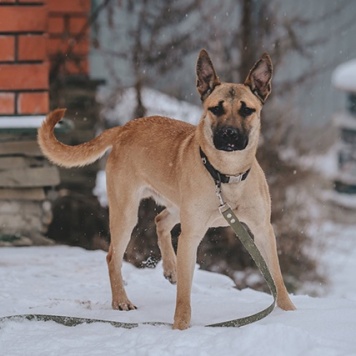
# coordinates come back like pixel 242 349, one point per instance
pixel 217 110
pixel 245 111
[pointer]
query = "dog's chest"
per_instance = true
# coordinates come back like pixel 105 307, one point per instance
pixel 232 194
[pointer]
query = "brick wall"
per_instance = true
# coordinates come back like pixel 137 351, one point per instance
pixel 68 45
pixel 39 38
pixel 41 41
pixel 23 57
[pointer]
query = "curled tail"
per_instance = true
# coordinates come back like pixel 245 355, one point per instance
pixel 71 156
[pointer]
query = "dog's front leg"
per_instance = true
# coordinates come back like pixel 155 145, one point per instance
pixel 186 258
pixel 266 242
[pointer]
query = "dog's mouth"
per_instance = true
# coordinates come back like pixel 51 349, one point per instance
pixel 230 139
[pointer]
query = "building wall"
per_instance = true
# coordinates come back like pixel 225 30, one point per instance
pixel 23 58
pixel 41 41
pixel 39 38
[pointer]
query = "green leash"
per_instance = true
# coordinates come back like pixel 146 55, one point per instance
pixel 252 249
pixel 247 242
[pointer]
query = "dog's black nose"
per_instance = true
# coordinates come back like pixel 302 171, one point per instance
pixel 230 138
pixel 230 133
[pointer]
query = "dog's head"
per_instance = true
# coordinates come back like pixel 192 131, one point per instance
pixel 232 111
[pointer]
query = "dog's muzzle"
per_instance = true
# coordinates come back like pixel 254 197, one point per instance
pixel 229 138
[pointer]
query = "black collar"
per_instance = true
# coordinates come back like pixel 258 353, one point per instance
pixel 221 177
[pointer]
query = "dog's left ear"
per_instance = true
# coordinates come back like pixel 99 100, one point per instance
pixel 207 79
pixel 259 78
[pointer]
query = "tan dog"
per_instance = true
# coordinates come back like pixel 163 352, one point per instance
pixel 177 163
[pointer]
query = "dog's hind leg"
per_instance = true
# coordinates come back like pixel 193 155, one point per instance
pixel 123 208
pixel 165 221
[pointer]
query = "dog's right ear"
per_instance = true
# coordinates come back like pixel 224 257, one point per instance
pixel 207 79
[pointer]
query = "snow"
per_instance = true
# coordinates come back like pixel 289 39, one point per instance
pixel 344 76
pixel 20 122
pixel 340 199
pixel 155 102
pixel 339 259
pixel 344 120
pixel 71 281
pixel 30 122
pixel 100 188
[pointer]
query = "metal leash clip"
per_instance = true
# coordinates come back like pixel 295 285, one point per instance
pixel 218 191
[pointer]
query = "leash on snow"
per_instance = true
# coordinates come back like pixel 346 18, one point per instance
pixel 247 242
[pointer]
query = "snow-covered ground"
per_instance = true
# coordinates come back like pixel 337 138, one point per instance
pixel 72 281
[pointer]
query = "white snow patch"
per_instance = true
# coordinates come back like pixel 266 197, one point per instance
pixel 324 163
pixel 344 76
pixel 344 120
pixel 100 188
pixel 71 281
pixel 339 259
pixel 21 122
pixel 155 102
pixel 340 199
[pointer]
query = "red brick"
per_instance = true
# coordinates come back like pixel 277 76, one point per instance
pixel 56 45
pixel 7 103
pixel 32 103
pixel 69 6
pixel 55 25
pixel 72 67
pixel 76 25
pixel 7 46
pixel 23 18
pixel 24 76
pixel 32 47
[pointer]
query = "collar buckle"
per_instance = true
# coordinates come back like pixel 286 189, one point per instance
pixel 236 179
pixel 218 176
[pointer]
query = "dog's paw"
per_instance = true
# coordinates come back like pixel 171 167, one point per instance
pixel 123 305
pixel 171 277
pixel 182 316
pixel 170 271
pixel 287 306
pixel 285 303
pixel 180 325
